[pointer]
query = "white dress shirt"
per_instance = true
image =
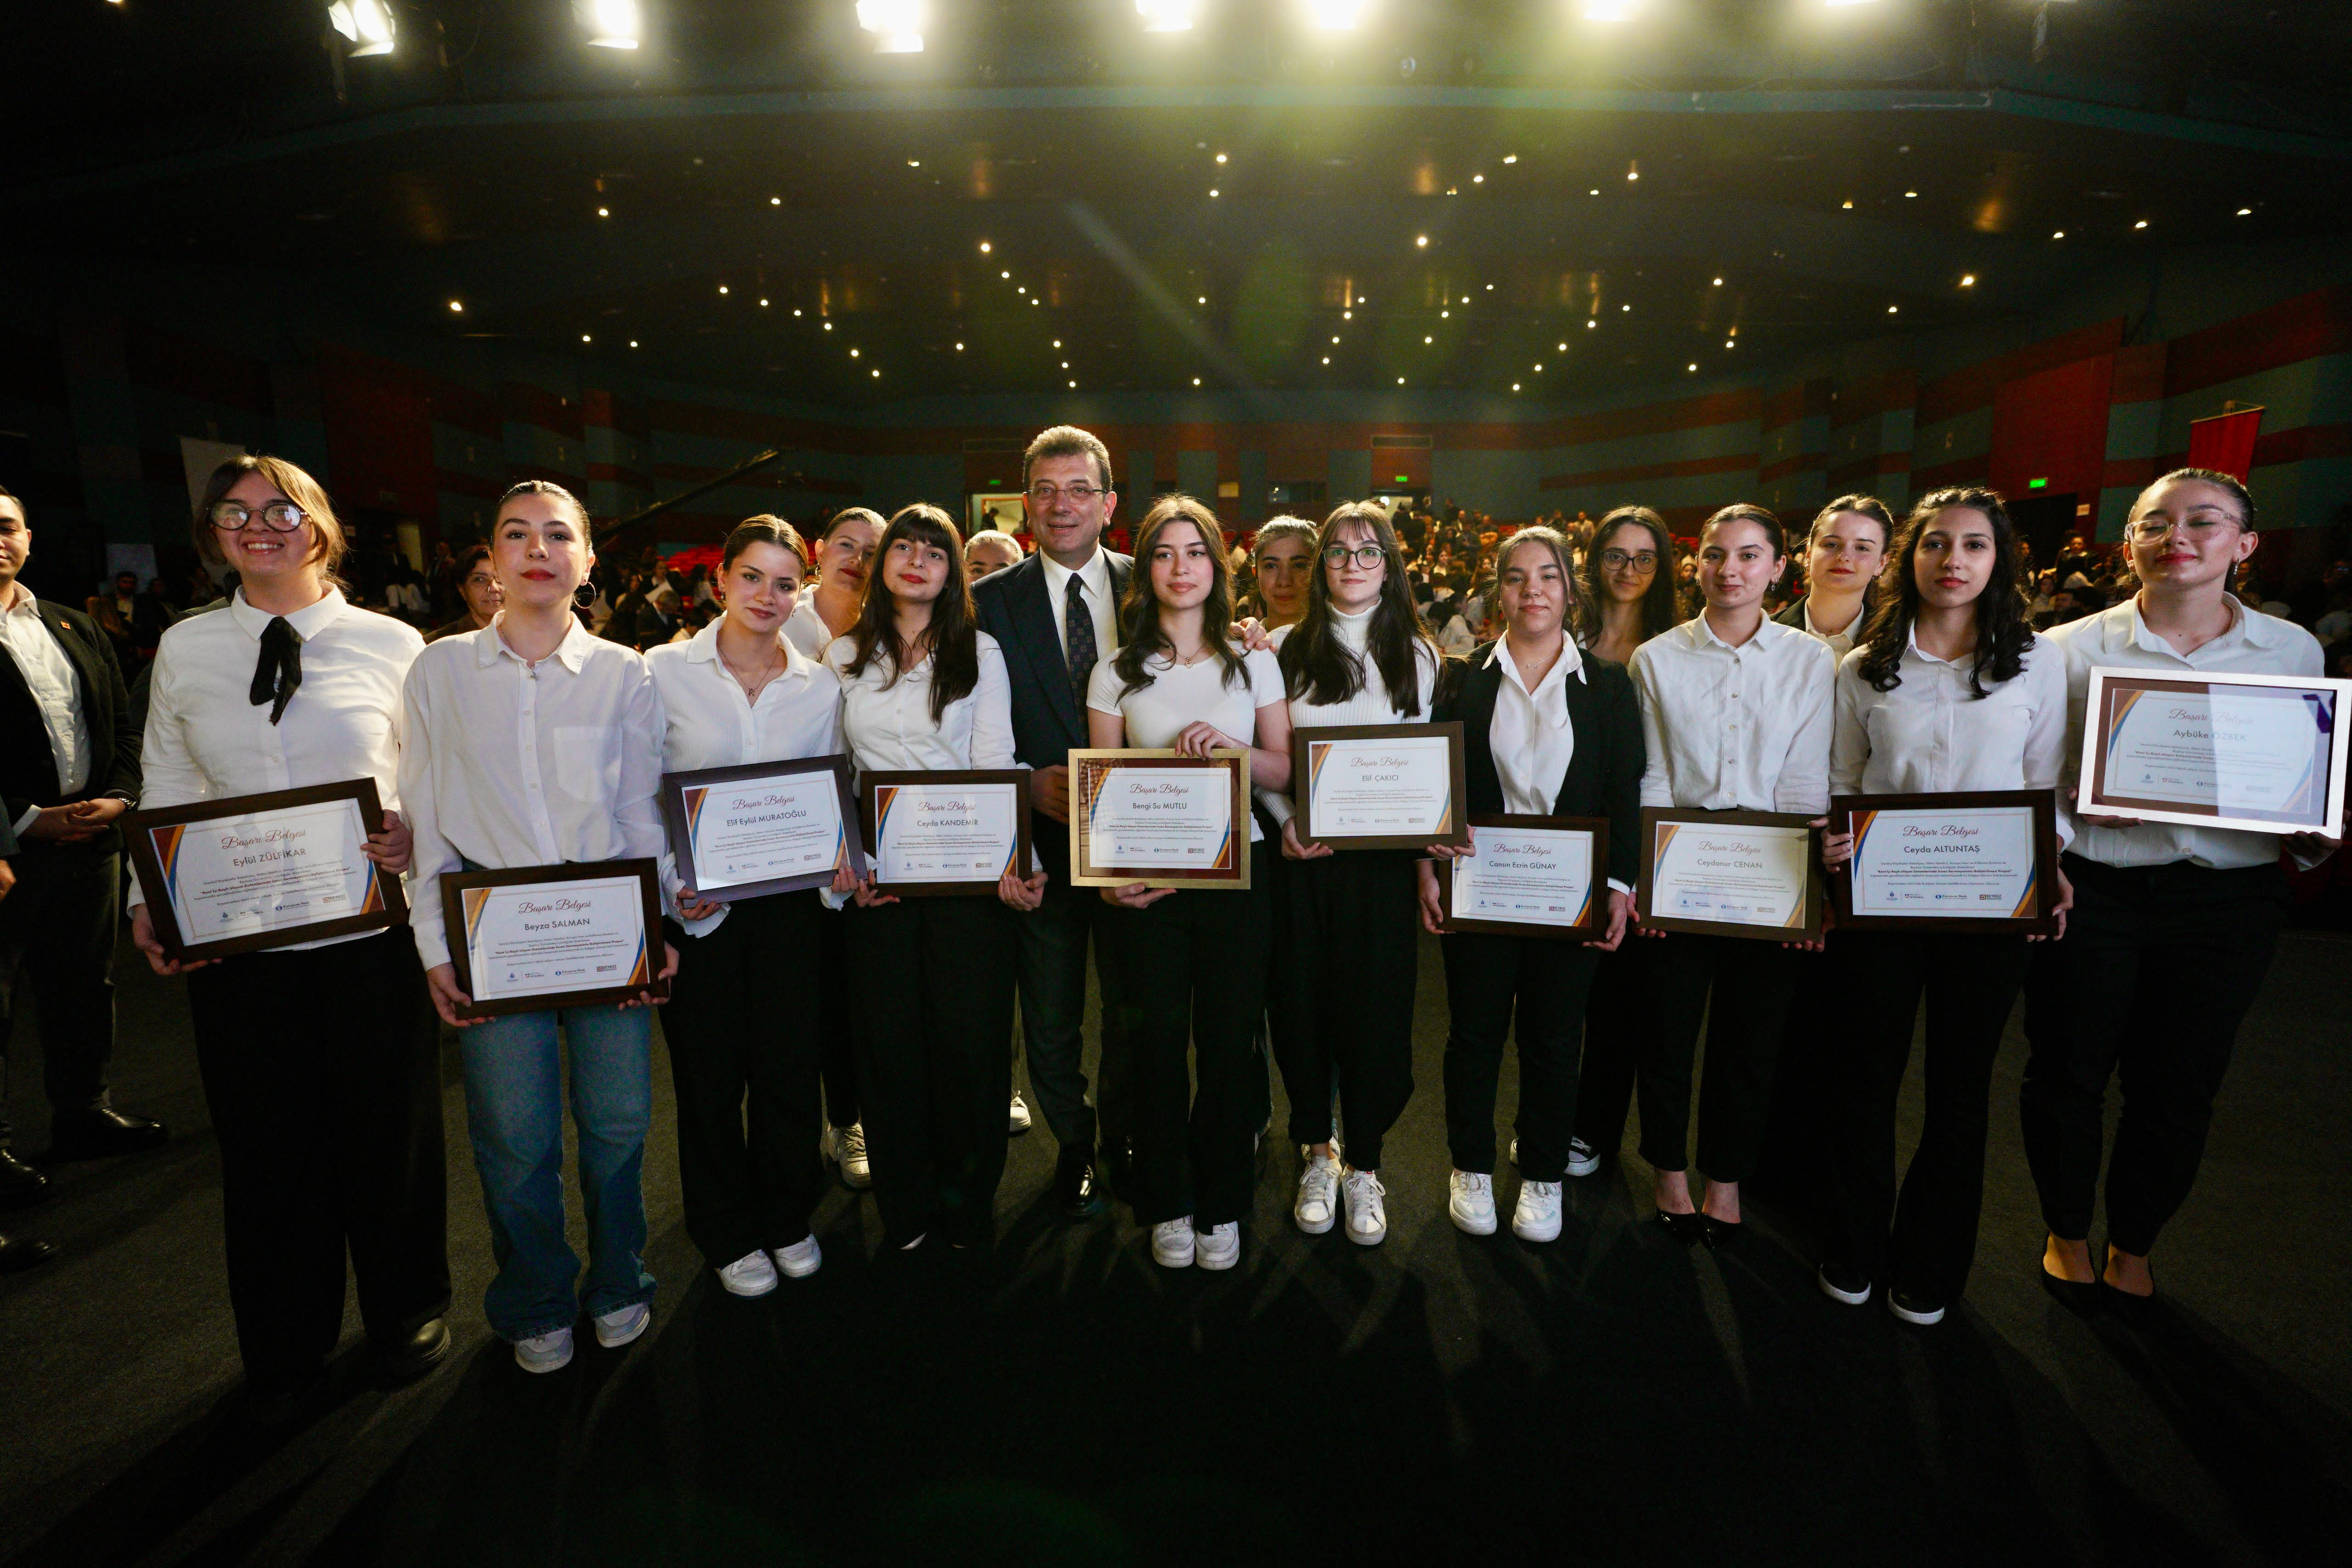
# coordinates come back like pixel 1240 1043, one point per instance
pixel 208 740
pixel 1370 705
pixel 2255 644
pixel 709 723
pixel 1529 735
pixel 1094 582
pixel 1930 736
pixel 806 628
pixel 886 722
pixel 49 672
pixel 1736 730
pixel 1179 695
pixel 509 764
pixel 1841 642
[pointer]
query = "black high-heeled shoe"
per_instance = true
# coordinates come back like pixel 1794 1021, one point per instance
pixel 2074 1295
pixel 1686 1229
pixel 1718 1234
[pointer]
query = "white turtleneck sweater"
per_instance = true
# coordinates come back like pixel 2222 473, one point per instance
pixel 1370 705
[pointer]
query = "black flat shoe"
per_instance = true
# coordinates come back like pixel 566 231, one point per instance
pixel 101 1134
pixel 411 1356
pixel 18 1253
pixel 1687 1228
pixel 1718 1234
pixel 20 1184
pixel 1077 1185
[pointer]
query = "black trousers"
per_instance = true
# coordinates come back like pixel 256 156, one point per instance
pixel 58 925
pixel 2156 971
pixel 1752 981
pixel 1616 1020
pixel 735 1049
pixel 934 984
pixel 1195 966
pixel 836 1020
pixel 1341 1000
pixel 1923 1241
pixel 322 1072
pixel 1546 981
pixel 1792 1163
pixel 1053 940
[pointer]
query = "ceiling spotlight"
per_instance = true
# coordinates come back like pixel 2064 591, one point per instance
pixel 1731 342
pixel 1633 169
pixel 604 212
pixel 457 304
pixel 1326 359
pixel 1196 380
pixel 1033 299
pixel 1510 157
pixel 1891 309
pixel 1693 365
pixel 1020 288
pixel 585 338
pixel 877 375
pixel 1421 239
pixel 2059 234
pixel 1718 283
pixel 2245 212
pixel 1625 307
pixel 1201 299
pixel 1477 179
pixel 959 347
pixel 1335 15
pixel 1168 16
pixel 1441 315
pixel 984 247
pixel 1428 340
pixel 1538 370
pixel 1400 381
pixel 632 342
pixel 775 201
pixel 2141 225
pixel 611 24
pixel 1910 195
pixel 1347 315
pixel 1849 206
pixel 1608 11
pixel 897 25
pixel 913 162
pixel 367 24
pixel 853 353
pixel 722 289
pixel 1213 190
pixel 1563 348
pixel 1004 273
pixel 828 326
pixel 1594 191
pixel 1221 157
pixel 1074 386
pixel 763 305
pixel 1968 280
pixel 1588 323
pixel 1514 386
pixel 1058 342
pixel 1066 364
pixel 796 309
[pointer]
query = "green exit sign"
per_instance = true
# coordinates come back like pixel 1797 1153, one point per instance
pixel 2037 483
pixel 1404 479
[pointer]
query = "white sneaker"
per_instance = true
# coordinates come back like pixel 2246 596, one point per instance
pixel 1219 1247
pixel 801 1260
pixel 1017 1121
pixel 1172 1243
pixel 1583 1159
pixel 1368 1219
pixel 750 1275
pixel 1470 1202
pixel 1537 1219
pixel 1318 1192
pixel 846 1147
pixel 622 1324
pixel 550 1352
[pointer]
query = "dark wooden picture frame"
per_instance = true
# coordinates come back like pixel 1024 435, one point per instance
pixel 675 815
pixel 1595 922
pixel 1300 795
pixel 2044 804
pixel 139 829
pixel 1233 875
pixel 2108 683
pixel 1816 899
pixel 456 883
pixel 1017 777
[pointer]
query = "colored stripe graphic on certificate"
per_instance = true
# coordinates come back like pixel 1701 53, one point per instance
pixel 884 794
pixel 1666 831
pixel 166 844
pixel 2024 909
pixel 2123 705
pixel 474 899
pixel 1318 753
pixel 1094 776
pixel 373 901
pixel 637 969
pixel 1592 890
pixel 695 796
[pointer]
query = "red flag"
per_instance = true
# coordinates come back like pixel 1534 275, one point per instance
pixel 2225 442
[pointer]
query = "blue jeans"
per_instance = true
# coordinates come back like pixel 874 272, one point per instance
pixel 514 1104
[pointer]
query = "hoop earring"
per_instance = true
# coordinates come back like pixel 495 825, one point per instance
pixel 587 587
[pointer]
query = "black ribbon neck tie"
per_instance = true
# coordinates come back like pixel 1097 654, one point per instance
pixel 279 669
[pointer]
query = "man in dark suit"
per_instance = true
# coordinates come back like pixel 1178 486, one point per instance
pixel 1055 615
pixel 16 1252
pixel 68 768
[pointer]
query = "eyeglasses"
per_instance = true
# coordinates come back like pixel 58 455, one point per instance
pixel 2152 529
pixel 1365 556
pixel 1046 494
pixel 1618 560
pixel 278 517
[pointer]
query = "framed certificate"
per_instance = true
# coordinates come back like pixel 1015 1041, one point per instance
pixel 1731 873
pixel 1150 816
pixel 1529 876
pixel 765 827
pixel 251 872
pixel 1379 785
pixel 948 831
pixel 554 935
pixel 1982 860
pixel 2261 754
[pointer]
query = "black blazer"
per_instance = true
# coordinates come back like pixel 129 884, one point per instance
pixel 29 769
pixel 1014 606
pixel 1604 776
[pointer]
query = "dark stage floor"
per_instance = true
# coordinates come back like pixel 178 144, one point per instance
pixel 1613 1398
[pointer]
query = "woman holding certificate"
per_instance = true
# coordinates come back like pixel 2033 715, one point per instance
pixel 1347 956
pixel 533 743
pixel 1547 732
pixel 925 690
pixel 1197 957
pixel 740 693
pixel 1735 717
pixel 1947 691
pixel 2173 924
pixel 325 1146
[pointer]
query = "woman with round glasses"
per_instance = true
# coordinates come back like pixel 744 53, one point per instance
pixel 1346 960
pixel 329 1147
pixel 2173 926
pixel 1282 561
pixel 1844 550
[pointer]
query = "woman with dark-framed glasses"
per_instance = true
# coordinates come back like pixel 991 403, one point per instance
pixel 328 1147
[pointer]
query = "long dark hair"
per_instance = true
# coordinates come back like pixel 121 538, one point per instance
pixel 952 640
pixel 1314 665
pixel 1662 606
pixel 2003 633
pixel 1140 635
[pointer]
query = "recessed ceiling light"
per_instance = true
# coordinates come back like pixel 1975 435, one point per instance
pixel 1588 323
pixel 1421 239
pixel 877 375
pixel 1718 283
pixel 1730 342
pixel 457 304
pixel 632 342
pixel 584 338
pixel 604 212
pixel 796 310
pixel 913 162
pixel 853 353
pixel 959 347
pixel 1066 364
pixel 722 289
pixel 1020 288
pixel 1490 289
pixel 984 247
pixel 1428 340
pixel 1335 337
pixel 1892 308
pixel 1514 386
pixel 1510 157
pixel 763 305
pixel 1968 280
pixel 2059 234
pixel 1213 190
pixel 2141 225
pixel 1694 364
pixel 1441 315
pixel 1477 179
pixel 828 326
pixel 1074 386
pixel 1347 315
pixel 1595 190
pixel 1634 172
pixel 1221 157
pixel 775 201
pixel 1849 206
pixel 1538 370
pixel 2245 212
pixel 1196 380
pixel 1400 381
pixel 1201 299
pixel 1625 307
pixel 1910 195
pixel 1005 275
pixel 1033 299
pixel 1326 359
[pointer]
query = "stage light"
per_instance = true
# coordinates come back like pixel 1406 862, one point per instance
pixel 1168 16
pixel 458 307
pixel 1510 157
pixel 853 353
pixel 722 289
pixel 2141 225
pixel 1196 380
pixel 2245 212
pixel 1420 240
pixel 1514 386
pixel 1221 157
pixel 763 305
pixel 897 25
pixel 1335 15
pixel 1891 309
pixel 1968 280
pixel 632 342
pixel 585 338
pixel 366 23
pixel 611 24
pixel 2061 233
pixel 984 247
pixel 604 212
pixel 778 201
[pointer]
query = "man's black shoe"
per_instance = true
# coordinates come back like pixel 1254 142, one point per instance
pixel 18 1253
pixel 1078 1186
pixel 20 1184
pixel 99 1135
pixel 413 1354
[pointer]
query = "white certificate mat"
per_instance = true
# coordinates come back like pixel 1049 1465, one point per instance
pixel 764 829
pixel 2256 753
pixel 528 939
pixel 1531 876
pixel 1748 874
pixel 1380 787
pixel 1176 818
pixel 945 831
pixel 261 871
pixel 1941 863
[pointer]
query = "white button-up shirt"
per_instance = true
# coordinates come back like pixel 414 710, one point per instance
pixel 1094 582
pixel 207 740
pixel 1930 735
pixel 1736 730
pixel 709 723
pixel 510 764
pixel 887 725
pixel 806 628
pixel 1841 642
pixel 1529 735
pixel 2255 644
pixel 48 672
